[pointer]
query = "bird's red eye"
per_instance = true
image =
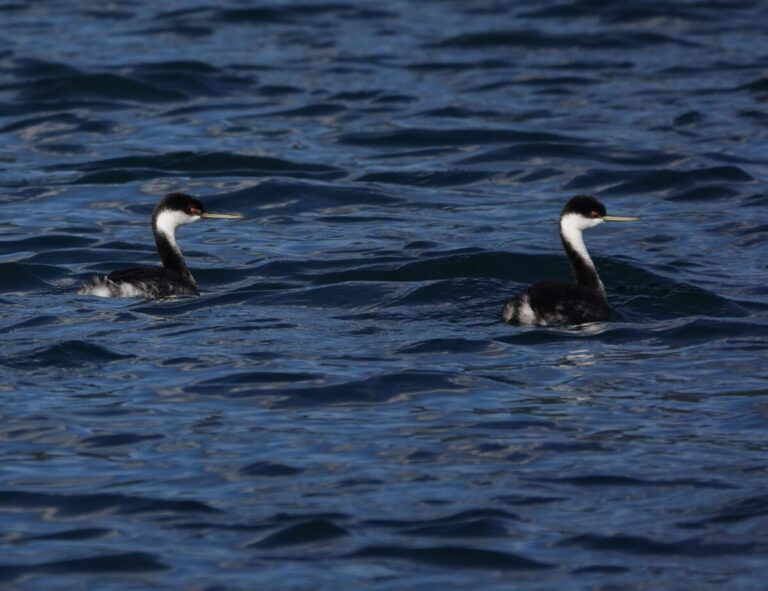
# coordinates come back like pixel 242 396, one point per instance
pixel 194 210
pixel 594 214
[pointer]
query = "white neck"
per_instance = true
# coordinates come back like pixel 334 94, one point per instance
pixel 167 221
pixel 572 226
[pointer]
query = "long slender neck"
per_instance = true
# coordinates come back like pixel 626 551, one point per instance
pixel 170 253
pixel 164 225
pixel 581 263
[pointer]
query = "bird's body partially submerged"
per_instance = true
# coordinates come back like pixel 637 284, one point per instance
pixel 552 303
pixel 149 283
pixel 173 278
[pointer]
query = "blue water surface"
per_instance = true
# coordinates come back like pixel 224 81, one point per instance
pixel 342 407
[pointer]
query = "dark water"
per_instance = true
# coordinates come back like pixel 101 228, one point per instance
pixel 341 408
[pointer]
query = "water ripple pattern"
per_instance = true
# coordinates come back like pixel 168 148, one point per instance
pixel 342 407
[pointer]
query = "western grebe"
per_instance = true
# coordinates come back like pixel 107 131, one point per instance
pixel 554 302
pixel 173 278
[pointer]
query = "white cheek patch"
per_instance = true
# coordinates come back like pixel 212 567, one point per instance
pixel 168 220
pixel 572 225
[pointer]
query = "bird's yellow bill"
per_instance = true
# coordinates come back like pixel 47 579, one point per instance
pixel 619 218
pixel 222 216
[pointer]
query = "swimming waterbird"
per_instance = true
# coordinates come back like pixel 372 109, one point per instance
pixel 554 302
pixel 173 278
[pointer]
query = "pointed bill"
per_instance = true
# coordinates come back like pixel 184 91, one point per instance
pixel 619 218
pixel 222 216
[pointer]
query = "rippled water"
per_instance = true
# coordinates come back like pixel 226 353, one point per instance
pixel 342 406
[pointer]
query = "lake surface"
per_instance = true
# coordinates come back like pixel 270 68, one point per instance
pixel 342 407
